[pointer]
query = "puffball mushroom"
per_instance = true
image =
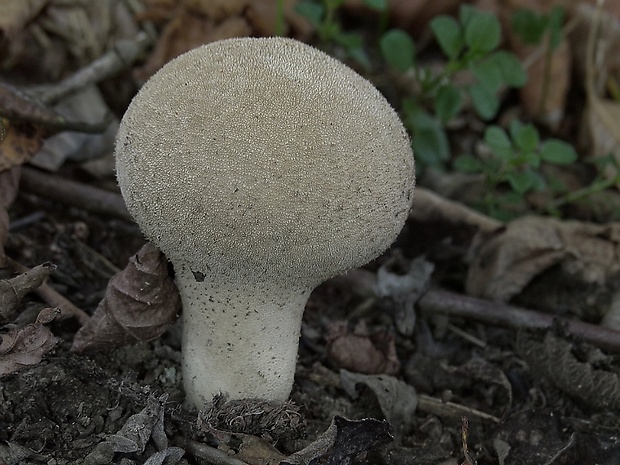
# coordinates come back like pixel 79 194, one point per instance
pixel 260 167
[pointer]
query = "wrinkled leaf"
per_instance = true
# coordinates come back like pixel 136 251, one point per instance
pixel 342 441
pixel 140 303
pixel 141 427
pixel 513 256
pixel 397 399
pixel 24 347
pixel 554 358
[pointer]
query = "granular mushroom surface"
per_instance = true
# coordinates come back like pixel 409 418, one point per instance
pixel 260 167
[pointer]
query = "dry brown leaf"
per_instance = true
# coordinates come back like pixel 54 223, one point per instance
pixel 601 120
pixel 13 290
pixel 217 10
pixel 587 256
pixel 555 359
pixel 261 15
pixel 361 351
pixel 21 142
pixel 17 13
pixel 21 348
pixel 398 400
pixel 140 303
pixel 187 31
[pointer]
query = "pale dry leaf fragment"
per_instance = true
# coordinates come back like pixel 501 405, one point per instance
pixel 16 14
pixel 508 259
pixel 187 31
pixel 397 399
pixel 554 358
pixel 13 290
pixel 217 10
pixel 24 347
pixel 344 440
pixel 584 259
pixel 141 427
pixel 602 116
pixel 262 15
pixel 361 350
pixel 140 303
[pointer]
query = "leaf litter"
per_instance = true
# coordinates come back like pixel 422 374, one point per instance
pixel 129 423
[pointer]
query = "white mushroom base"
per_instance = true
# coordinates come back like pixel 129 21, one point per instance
pixel 239 340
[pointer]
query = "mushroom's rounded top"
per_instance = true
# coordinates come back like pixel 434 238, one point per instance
pixel 264 159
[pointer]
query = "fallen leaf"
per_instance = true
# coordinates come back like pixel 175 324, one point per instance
pixel 24 347
pixel 584 259
pixel 140 303
pixel 17 13
pixel 142 427
pixel 397 399
pixel 343 441
pixel 187 31
pixel 555 359
pixel 22 141
pixel 362 351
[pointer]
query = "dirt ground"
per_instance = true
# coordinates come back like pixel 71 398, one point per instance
pixel 69 408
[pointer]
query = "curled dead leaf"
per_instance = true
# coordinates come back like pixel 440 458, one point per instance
pixel 140 303
pixel 554 358
pixel 362 351
pixel 24 347
pixel 581 262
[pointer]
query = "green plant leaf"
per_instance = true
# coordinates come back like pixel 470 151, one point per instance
pixel 313 12
pixel 482 32
pixel 485 102
pixel 556 20
pixel 377 5
pixel 529 25
pixel 449 35
pixel 499 142
pixel 448 102
pixel 398 49
pixel 521 181
pixel 466 13
pixel 467 164
pixel 487 73
pixel 558 152
pixel 525 136
pixel 429 139
pixel 509 67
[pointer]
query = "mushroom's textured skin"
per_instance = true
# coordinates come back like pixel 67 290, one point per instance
pixel 260 167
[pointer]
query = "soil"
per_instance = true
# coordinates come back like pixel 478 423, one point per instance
pixel 478 400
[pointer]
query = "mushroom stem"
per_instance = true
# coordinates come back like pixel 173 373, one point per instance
pixel 239 339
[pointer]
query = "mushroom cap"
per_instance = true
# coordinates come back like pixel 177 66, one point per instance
pixel 264 159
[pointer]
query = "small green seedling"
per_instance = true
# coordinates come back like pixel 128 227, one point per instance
pixel 323 16
pixel 470 43
pixel 514 160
